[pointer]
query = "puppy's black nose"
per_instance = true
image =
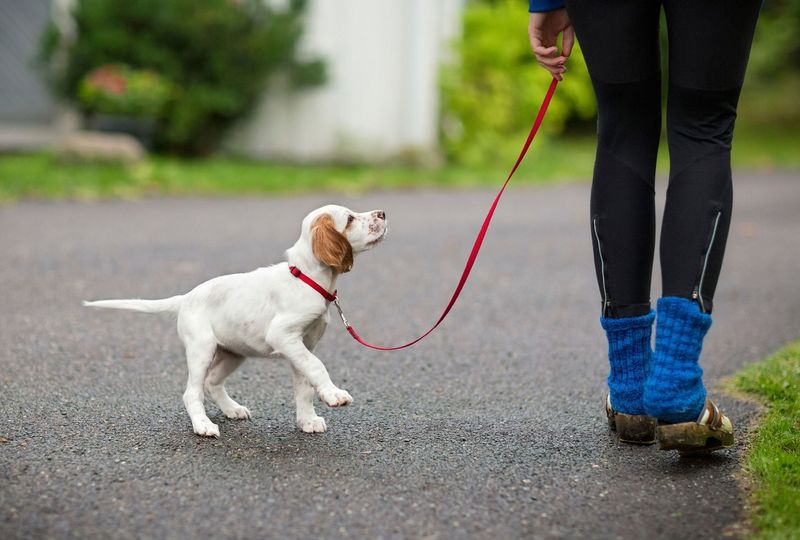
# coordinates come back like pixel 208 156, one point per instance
pixel 380 214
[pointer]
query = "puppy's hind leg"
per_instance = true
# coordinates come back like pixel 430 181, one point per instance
pixel 307 419
pixel 225 363
pixel 199 354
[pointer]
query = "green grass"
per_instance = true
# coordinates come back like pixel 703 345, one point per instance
pixel 773 458
pixel 44 176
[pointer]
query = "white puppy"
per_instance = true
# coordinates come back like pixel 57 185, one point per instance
pixel 267 312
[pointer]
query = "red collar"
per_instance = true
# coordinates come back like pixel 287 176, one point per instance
pixel 313 284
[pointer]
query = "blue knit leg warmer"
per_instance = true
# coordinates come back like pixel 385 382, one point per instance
pixel 629 357
pixel 674 390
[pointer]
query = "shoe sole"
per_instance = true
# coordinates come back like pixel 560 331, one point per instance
pixel 633 428
pixel 691 438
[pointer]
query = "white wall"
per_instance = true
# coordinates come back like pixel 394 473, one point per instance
pixel 381 99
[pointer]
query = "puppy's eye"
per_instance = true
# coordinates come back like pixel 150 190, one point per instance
pixel 350 219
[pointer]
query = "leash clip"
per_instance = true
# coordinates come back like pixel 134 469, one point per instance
pixel 341 313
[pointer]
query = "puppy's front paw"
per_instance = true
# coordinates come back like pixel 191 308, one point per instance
pixel 238 412
pixel 335 397
pixel 315 424
pixel 206 428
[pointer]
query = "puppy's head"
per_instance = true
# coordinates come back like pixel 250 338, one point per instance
pixel 337 234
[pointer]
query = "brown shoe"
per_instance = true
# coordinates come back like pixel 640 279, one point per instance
pixel 631 428
pixel 711 431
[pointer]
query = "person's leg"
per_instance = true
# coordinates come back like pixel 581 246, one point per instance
pixel 709 43
pixel 619 40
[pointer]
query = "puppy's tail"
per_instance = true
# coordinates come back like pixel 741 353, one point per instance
pixel 164 305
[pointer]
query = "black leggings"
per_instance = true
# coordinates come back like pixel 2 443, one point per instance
pixel 709 43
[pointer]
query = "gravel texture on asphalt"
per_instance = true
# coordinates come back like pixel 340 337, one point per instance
pixel 492 427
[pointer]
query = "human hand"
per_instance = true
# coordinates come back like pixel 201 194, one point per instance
pixel 543 31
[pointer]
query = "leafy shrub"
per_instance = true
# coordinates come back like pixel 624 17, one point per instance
pixel 492 88
pixel 776 49
pixel 217 54
pixel 770 92
pixel 120 90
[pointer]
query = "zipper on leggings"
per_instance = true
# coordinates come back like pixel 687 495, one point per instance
pixel 697 294
pixel 606 301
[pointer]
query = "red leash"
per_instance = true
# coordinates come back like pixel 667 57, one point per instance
pixel 475 248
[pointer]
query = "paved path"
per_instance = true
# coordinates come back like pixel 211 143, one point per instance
pixel 492 427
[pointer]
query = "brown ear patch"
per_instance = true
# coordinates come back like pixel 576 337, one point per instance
pixel 330 246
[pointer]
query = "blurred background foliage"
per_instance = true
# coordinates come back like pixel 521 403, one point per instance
pixel 771 94
pixel 116 89
pixel 217 54
pixel 492 85
pixel 214 62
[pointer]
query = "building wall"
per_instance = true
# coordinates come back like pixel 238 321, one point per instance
pixel 381 100
pixel 24 100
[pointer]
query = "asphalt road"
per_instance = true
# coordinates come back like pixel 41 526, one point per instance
pixel 491 428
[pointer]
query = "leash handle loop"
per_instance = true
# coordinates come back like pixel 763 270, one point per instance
pixel 476 247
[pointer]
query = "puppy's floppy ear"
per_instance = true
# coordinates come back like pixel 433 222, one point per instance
pixel 330 246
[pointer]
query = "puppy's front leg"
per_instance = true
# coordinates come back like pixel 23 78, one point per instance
pixel 306 363
pixel 307 419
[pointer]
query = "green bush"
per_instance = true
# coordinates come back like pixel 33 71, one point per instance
pixel 776 49
pixel 119 90
pixel 769 96
pixel 217 54
pixel 492 88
